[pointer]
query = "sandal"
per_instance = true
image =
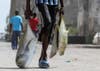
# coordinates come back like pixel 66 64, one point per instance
pixel 43 64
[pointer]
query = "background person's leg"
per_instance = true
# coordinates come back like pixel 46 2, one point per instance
pixel 17 37
pixel 13 41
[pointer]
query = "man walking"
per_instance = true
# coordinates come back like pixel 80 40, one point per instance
pixel 16 28
pixel 48 9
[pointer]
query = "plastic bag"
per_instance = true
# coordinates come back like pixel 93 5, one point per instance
pixel 27 48
pixel 63 37
pixel 54 47
pixel 60 39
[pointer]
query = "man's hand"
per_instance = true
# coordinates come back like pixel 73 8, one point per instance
pixel 10 28
pixel 62 11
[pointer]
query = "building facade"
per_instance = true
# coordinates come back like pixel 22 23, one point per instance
pixel 81 16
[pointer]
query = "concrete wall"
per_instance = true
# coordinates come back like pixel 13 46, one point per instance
pixel 85 20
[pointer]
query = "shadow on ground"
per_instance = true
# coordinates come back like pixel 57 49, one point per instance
pixel 25 68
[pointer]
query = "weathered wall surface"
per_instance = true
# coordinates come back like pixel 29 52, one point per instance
pixel 82 14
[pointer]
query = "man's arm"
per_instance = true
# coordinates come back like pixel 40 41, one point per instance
pixel 10 28
pixel 62 3
pixel 21 22
pixel 62 6
pixel 10 25
pixel 22 26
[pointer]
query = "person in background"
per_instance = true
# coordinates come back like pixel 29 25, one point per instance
pixel 48 9
pixel 34 21
pixel 16 28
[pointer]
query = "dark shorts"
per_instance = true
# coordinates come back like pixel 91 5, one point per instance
pixel 49 18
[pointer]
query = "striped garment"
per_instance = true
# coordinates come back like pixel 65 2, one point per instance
pixel 48 2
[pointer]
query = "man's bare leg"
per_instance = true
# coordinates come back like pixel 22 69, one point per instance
pixel 43 57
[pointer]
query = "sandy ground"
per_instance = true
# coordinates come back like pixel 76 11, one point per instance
pixel 75 59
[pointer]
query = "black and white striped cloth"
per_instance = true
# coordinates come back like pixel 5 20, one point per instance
pixel 48 2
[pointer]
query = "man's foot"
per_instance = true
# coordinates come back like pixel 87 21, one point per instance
pixel 43 64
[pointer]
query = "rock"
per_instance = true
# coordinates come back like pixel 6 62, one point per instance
pixel 96 39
